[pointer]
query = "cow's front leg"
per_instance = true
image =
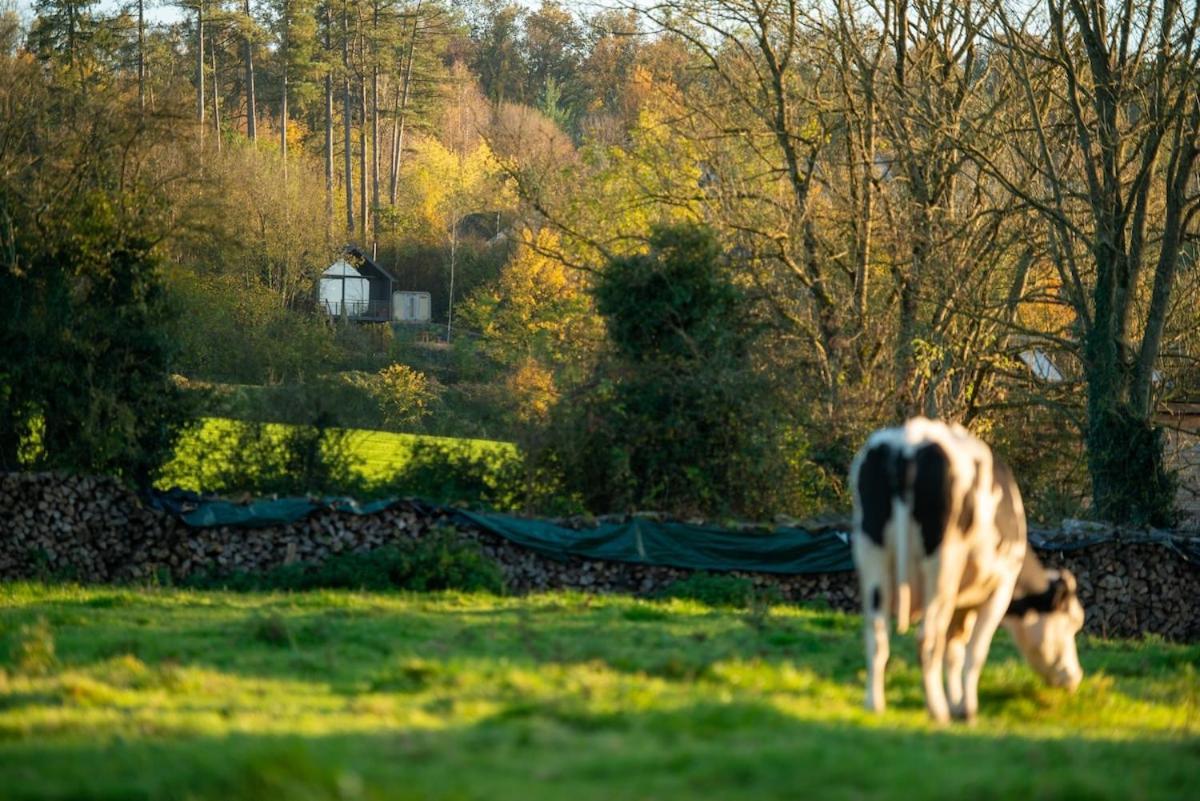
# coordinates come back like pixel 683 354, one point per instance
pixel 932 645
pixel 990 615
pixel 961 625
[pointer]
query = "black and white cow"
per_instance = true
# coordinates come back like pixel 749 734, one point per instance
pixel 939 533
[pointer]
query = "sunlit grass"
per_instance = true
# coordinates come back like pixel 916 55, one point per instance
pixel 174 694
pixel 376 456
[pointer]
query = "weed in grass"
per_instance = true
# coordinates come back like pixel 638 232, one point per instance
pixel 408 676
pixel 272 630
pixel 33 649
pixel 645 613
pixel 758 615
pixel 713 589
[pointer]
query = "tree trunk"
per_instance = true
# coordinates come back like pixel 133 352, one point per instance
pixel 375 113
pixel 394 172
pixel 453 264
pixel 141 68
pixel 283 85
pixel 200 67
pixel 251 113
pixel 346 112
pixel 283 118
pixel 364 210
pixel 329 123
pixel 401 111
pixel 216 95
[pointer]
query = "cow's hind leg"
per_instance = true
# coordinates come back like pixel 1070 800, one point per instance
pixel 939 577
pixel 874 588
pixel 961 626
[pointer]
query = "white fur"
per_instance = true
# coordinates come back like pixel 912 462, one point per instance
pixel 959 636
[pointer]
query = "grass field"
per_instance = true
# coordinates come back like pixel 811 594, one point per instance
pixel 166 694
pixel 376 455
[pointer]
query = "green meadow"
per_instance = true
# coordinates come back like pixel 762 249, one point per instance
pixel 374 456
pixel 171 694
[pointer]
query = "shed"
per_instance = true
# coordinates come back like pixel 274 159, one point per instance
pixel 411 307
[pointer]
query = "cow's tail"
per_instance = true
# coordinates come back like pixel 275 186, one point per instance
pixel 903 587
pixel 902 515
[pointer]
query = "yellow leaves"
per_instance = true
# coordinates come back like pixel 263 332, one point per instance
pixel 537 306
pixel 654 178
pixel 533 390
pixel 448 184
pixel 1044 309
pixel 404 394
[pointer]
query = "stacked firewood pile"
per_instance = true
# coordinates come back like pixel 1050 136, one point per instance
pixel 93 530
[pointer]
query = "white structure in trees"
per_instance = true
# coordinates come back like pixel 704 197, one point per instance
pixel 344 290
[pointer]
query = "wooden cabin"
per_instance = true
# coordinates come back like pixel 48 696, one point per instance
pixel 357 289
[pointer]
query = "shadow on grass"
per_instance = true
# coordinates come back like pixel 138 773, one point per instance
pixel 530 752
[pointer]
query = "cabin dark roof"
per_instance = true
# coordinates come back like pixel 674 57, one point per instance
pixel 361 260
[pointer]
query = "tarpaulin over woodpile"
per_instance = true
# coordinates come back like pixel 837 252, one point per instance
pixel 639 540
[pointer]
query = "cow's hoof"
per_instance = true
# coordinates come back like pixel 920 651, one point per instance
pixel 964 715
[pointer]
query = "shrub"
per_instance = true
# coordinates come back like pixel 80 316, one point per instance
pixel 230 332
pixel 404 395
pixel 682 416
pixel 440 560
pixel 85 378
pixel 458 474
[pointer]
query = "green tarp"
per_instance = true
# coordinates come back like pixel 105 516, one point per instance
pixel 637 540
pixel 651 542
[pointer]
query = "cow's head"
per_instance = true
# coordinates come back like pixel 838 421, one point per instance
pixel 1044 626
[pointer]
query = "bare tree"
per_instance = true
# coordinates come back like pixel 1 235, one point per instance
pixel 1110 92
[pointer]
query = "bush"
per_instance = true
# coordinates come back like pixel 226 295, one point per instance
pixel 85 378
pixel 458 474
pixel 230 332
pixel 681 417
pixel 440 560
pixel 404 395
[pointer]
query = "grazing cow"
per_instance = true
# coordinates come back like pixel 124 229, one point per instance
pixel 939 532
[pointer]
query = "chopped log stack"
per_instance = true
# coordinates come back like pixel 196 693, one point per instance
pixel 93 530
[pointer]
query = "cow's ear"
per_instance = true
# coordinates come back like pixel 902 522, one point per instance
pixel 1062 589
pixel 1069 579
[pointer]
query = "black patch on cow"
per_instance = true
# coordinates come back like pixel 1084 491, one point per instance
pixel 1008 521
pixel 1057 596
pixel 876 599
pixel 966 514
pixel 875 491
pixel 931 494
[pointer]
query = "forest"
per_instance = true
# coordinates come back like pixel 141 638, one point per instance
pixel 683 254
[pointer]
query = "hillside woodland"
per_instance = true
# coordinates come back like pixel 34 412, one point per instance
pixel 684 254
